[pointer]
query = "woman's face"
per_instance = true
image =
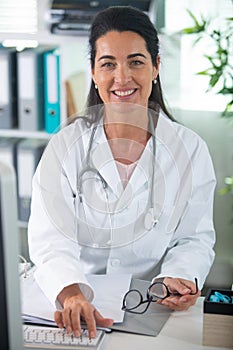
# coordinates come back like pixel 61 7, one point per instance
pixel 123 68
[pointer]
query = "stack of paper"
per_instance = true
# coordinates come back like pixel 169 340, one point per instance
pixel 109 292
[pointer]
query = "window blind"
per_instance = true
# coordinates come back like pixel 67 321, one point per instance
pixel 18 16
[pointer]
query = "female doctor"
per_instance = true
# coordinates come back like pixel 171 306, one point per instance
pixel 124 189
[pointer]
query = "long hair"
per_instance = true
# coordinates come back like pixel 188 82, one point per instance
pixel 126 18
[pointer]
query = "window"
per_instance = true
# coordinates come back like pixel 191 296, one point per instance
pixel 17 16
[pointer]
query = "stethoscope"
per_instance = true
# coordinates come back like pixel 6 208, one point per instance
pixel 150 219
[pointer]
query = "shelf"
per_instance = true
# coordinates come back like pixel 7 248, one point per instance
pixel 22 224
pixel 25 134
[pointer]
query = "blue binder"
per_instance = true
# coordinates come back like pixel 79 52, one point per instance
pixel 52 90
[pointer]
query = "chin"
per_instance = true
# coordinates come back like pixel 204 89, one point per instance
pixel 125 112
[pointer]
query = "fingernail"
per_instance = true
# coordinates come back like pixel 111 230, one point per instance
pixel 91 334
pixel 68 330
pixel 77 333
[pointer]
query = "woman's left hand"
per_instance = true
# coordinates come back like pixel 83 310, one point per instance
pixel 184 289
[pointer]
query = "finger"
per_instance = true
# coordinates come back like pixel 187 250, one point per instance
pixel 190 297
pixel 101 321
pixel 175 306
pixel 66 316
pixel 76 323
pixel 88 315
pixel 176 286
pixel 189 284
pixel 58 319
pixel 179 303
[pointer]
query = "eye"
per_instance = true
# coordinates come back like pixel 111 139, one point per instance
pixel 108 65
pixel 136 63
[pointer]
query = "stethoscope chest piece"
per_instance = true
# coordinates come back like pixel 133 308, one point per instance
pixel 150 221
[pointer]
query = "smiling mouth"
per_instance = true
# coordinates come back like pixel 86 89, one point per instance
pixel 124 93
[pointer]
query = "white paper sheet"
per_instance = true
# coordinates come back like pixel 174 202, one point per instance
pixel 109 292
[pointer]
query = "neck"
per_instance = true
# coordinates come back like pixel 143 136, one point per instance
pixel 127 143
pixel 127 121
pixel 127 132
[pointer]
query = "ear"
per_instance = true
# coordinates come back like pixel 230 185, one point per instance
pixel 93 74
pixel 156 68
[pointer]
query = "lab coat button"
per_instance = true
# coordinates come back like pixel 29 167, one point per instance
pixel 115 262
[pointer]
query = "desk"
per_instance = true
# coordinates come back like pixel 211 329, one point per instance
pixel 182 331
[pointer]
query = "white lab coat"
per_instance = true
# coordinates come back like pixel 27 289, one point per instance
pixel 64 248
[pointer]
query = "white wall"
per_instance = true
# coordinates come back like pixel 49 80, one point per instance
pixel 201 111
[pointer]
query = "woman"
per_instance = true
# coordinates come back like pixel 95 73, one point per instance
pixel 124 190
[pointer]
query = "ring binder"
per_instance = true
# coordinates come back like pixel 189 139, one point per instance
pixel 8 89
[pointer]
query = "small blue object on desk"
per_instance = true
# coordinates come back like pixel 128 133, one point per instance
pixel 219 301
pixel 218 297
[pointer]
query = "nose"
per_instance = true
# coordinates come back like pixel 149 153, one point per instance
pixel 122 75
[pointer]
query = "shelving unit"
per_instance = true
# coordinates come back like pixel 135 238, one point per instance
pixel 73 59
pixel 24 134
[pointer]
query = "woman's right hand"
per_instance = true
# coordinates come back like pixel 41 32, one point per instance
pixel 77 309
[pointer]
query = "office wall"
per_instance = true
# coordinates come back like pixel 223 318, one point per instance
pixel 218 134
pixel 186 94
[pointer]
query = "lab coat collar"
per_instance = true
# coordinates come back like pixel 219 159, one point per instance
pixel 103 161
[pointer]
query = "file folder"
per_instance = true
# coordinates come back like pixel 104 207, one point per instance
pixel 8 148
pixel 8 88
pixel 31 89
pixel 52 90
pixel 29 152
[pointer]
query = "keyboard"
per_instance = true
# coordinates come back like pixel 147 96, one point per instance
pixel 42 337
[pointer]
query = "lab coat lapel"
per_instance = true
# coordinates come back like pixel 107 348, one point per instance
pixel 103 161
pixel 143 171
pixel 139 179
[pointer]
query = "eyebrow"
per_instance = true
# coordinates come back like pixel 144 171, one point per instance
pixel 129 56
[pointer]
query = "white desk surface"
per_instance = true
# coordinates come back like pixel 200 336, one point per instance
pixel 182 331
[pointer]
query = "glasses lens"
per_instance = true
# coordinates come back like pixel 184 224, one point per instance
pixel 132 299
pixel 157 291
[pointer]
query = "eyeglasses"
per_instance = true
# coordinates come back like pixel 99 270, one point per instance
pixel 133 299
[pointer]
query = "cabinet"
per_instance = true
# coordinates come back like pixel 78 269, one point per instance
pixel 73 65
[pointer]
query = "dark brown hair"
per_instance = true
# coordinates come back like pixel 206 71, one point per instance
pixel 126 18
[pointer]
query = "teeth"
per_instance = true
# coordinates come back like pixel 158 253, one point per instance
pixel 124 93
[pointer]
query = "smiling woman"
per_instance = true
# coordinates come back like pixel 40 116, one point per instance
pixel 123 189
pixel 123 69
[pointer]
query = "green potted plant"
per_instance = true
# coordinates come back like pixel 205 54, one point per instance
pixel 220 63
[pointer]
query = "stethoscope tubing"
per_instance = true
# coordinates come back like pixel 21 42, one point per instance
pixel 150 219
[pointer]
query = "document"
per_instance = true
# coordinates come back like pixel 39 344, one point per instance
pixel 109 291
